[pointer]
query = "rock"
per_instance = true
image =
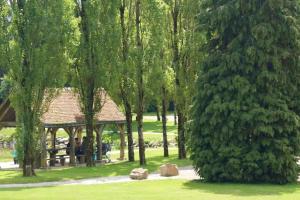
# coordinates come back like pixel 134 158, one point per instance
pixel 169 170
pixel 139 174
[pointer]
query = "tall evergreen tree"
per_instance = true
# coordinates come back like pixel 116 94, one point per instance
pixel 35 38
pixel 246 120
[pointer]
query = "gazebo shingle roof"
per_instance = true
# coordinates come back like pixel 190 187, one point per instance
pixel 64 110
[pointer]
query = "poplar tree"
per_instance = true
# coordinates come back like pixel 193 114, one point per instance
pixel 126 89
pixel 95 59
pixel 34 45
pixel 246 115
pixel 185 58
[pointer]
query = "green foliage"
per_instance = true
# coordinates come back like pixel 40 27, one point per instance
pixel 97 46
pixel 5 87
pixel 246 123
pixel 35 39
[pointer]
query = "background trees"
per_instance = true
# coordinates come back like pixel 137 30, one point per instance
pixel 245 123
pixel 35 36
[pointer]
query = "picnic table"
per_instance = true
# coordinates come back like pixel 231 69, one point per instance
pixel 54 157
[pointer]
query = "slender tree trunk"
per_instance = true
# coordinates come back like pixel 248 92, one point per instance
pixel 99 131
pixel 129 134
pixel 28 143
pixel 157 113
pixel 175 115
pixel 89 122
pixel 181 136
pixel 122 141
pixel 164 121
pixel 124 85
pixel 178 92
pixel 72 149
pixel 44 148
pixel 140 84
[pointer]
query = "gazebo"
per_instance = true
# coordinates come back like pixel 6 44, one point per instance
pixel 64 113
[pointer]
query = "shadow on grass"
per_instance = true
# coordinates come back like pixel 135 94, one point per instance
pixel 242 189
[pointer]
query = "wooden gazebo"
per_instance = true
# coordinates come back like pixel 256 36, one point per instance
pixel 64 113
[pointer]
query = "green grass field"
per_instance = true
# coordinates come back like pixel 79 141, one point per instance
pixel 5 155
pixel 157 190
pixel 154 160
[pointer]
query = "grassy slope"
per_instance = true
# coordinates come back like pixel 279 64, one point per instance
pixel 157 190
pixel 154 160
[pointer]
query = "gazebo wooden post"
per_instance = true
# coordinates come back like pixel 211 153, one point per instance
pixel 72 132
pixel 122 141
pixel 53 146
pixel 99 130
pixel 44 148
pixel 79 135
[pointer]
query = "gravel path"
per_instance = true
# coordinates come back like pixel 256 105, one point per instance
pixel 186 173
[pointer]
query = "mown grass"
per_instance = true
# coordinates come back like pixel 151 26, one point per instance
pixel 5 155
pixel 154 160
pixel 157 190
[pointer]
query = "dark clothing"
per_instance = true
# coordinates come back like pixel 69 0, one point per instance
pixel 68 148
pixel 105 148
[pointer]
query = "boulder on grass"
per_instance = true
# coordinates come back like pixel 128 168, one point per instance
pixel 139 174
pixel 169 170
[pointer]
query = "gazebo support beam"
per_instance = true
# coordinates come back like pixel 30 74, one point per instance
pixel 79 135
pixel 44 134
pixel 53 145
pixel 99 130
pixel 71 131
pixel 121 128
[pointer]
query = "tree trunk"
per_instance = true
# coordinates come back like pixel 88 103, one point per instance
pixel 140 86
pixel 179 98
pixel 124 88
pixel 72 150
pixel 99 130
pixel 89 123
pixel 28 143
pixel 181 136
pixel 175 116
pixel 71 132
pixel 44 134
pixel 164 122
pixel 122 141
pixel 129 133
pixel 157 113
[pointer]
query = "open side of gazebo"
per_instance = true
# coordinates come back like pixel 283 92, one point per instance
pixel 64 113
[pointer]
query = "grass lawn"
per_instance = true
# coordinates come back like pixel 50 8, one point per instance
pixel 154 160
pixel 157 190
pixel 5 155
